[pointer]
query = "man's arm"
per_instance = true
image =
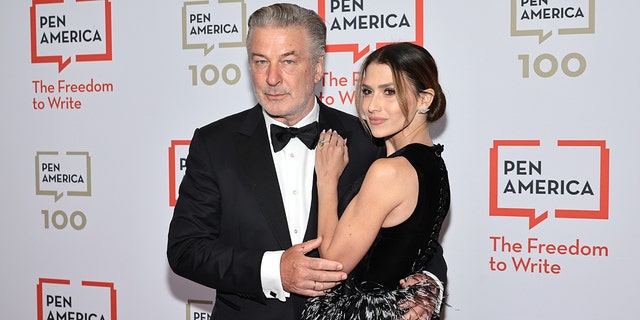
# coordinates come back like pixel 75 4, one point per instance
pixel 430 282
pixel 194 249
pixel 437 265
pixel 196 252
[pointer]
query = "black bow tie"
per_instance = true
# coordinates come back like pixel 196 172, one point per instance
pixel 280 136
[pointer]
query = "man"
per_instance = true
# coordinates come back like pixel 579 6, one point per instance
pixel 243 203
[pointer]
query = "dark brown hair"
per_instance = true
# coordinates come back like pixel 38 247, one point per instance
pixel 414 70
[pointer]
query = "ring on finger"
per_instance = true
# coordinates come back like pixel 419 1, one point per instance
pixel 322 142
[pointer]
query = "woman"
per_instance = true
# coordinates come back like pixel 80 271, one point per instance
pixel 390 224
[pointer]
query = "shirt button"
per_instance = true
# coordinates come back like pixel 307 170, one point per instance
pixel 295 192
pixel 292 155
pixel 295 231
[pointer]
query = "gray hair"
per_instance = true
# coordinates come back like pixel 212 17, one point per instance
pixel 282 15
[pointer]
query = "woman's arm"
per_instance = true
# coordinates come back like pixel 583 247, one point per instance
pixel 387 197
pixel 331 158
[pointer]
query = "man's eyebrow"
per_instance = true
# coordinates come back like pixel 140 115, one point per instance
pixel 289 53
pixel 286 54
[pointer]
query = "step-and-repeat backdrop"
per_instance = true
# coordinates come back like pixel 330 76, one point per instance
pixel 100 99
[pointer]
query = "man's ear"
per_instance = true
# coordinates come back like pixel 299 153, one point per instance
pixel 319 69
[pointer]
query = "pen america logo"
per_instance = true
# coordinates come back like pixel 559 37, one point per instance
pixel 199 309
pixel 89 300
pixel 352 25
pixel 529 179
pixel 539 18
pixel 206 24
pixel 178 152
pixel 59 174
pixel 62 29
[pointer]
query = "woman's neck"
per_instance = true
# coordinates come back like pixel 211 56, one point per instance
pixel 409 135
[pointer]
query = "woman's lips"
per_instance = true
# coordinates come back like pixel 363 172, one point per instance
pixel 376 121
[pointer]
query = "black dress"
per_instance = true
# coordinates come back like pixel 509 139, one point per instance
pixel 371 290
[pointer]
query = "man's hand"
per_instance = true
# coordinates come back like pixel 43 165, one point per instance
pixel 425 304
pixel 308 276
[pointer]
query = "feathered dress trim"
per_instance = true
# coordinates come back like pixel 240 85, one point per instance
pixel 371 301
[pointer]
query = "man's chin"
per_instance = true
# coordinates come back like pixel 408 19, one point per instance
pixel 276 107
pixel 275 111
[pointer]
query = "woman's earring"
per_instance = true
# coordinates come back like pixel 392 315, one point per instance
pixel 423 110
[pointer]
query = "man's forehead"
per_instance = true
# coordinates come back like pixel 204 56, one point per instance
pixel 293 30
pixel 279 41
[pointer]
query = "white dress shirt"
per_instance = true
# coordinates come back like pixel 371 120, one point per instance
pixel 295 165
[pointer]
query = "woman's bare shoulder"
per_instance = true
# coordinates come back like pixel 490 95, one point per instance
pixel 395 170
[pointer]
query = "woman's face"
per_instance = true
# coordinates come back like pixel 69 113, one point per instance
pixel 380 105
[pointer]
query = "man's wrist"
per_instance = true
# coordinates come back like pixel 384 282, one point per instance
pixel 270 276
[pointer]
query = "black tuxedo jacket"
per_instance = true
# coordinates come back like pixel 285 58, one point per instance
pixel 230 210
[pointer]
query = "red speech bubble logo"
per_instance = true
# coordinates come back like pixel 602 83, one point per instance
pixel 175 165
pixel 546 186
pixel 350 21
pixel 65 306
pixel 55 37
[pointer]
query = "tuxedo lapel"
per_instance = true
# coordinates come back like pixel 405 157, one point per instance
pixel 330 120
pixel 252 142
pixel 327 119
pixel 312 224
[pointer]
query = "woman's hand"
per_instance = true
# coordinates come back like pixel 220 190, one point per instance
pixel 331 156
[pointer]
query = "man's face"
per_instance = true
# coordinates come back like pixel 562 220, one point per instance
pixel 283 73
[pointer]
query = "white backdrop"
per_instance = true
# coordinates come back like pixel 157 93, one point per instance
pixel 100 100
